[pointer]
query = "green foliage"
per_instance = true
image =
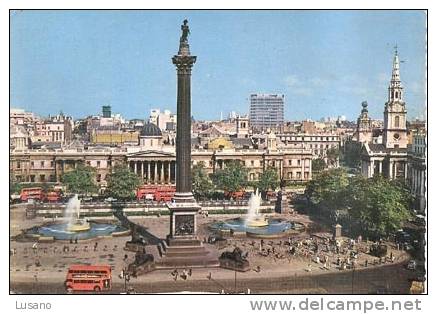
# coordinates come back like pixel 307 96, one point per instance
pixel 328 188
pixel 332 156
pixel 232 178
pixel 202 184
pixel 318 165
pixel 122 183
pixel 80 180
pixel 378 204
pixel 352 154
pixel 14 186
pixel 269 180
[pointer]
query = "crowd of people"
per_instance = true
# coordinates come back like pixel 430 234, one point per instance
pixel 313 251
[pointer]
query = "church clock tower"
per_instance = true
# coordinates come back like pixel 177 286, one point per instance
pixel 395 113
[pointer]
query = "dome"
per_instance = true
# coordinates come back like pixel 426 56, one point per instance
pixel 220 142
pixel 150 129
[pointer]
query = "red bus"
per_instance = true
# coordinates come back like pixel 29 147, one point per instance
pixel 165 193
pixel 88 278
pixel 146 192
pixel 53 196
pixel 156 192
pixel 237 195
pixel 31 193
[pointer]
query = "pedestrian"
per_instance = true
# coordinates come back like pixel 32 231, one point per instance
pixel 190 272
pixel 366 263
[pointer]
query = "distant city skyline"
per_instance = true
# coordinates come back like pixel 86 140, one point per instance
pixel 324 62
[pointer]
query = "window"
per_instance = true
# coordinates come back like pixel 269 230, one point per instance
pixel 289 162
pixel 18 165
pixel 32 164
pixel 32 178
pixel 396 121
pixel 98 163
pixel 42 164
pixel 52 164
pixel 99 177
pixel 42 178
pixel 298 174
pixel 252 163
pixel 52 178
pixel 298 162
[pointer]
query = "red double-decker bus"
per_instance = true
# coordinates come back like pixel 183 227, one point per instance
pixel 165 193
pixel 53 196
pixel 88 278
pixel 237 195
pixel 159 193
pixel 32 193
pixel 146 192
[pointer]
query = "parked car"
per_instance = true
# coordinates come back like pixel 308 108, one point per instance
pixel 110 199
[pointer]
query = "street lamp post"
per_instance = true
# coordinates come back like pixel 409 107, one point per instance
pixel 209 276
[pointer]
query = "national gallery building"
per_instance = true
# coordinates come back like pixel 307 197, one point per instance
pixel 155 162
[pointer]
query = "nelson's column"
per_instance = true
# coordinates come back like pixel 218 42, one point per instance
pixel 183 246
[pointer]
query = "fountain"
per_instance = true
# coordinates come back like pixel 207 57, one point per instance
pixel 255 224
pixel 72 215
pixel 254 218
pixel 75 228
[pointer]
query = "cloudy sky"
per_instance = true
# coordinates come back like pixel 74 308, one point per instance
pixel 325 62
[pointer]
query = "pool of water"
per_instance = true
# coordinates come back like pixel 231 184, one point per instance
pixel 60 232
pixel 275 226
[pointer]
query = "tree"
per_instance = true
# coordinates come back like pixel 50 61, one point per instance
pixel 332 156
pixel 352 154
pixel 232 178
pixel 14 185
pixel 122 183
pixel 269 180
pixel 328 188
pixel 202 184
pixel 378 205
pixel 81 180
pixel 318 165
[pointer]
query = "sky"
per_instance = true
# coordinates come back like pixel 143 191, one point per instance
pixel 324 62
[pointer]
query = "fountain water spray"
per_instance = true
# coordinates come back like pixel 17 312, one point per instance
pixel 253 218
pixel 72 210
pixel 72 215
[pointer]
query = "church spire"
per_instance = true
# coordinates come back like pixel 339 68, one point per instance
pixel 395 89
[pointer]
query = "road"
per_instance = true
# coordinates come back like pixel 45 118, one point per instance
pixel 392 278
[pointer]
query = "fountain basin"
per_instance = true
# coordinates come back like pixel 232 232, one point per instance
pixel 257 222
pixel 268 228
pixel 79 225
pixel 61 231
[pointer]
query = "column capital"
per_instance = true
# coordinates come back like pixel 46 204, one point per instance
pixel 184 63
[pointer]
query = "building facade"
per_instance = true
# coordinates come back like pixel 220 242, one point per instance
pixel 417 171
pixel 390 157
pixel 364 125
pixel 266 111
pixel 318 143
pixel 155 166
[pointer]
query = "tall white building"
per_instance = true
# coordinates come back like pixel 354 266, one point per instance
pixel 266 111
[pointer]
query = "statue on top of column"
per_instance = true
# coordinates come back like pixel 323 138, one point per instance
pixel 185 31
